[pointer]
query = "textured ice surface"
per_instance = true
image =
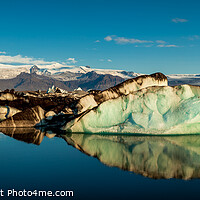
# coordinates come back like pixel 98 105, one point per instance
pixel 152 110
pixel 91 100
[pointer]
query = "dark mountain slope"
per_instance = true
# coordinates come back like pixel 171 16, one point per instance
pixel 33 82
pixel 92 80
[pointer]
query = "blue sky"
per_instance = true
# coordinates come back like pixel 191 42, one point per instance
pixel 140 35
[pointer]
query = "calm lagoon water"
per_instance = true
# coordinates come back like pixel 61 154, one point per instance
pixel 67 163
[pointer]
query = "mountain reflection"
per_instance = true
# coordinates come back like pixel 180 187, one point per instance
pixel 155 157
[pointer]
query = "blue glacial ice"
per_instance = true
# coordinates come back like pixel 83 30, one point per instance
pixel 151 110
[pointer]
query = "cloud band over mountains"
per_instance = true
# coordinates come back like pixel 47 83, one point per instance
pixel 124 40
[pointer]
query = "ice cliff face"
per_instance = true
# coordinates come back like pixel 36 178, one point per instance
pixel 92 100
pixel 152 110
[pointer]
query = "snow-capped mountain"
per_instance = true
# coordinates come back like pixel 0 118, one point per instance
pixel 73 73
pixel 180 79
pixel 183 76
pixel 60 72
pixel 76 76
pixel 12 72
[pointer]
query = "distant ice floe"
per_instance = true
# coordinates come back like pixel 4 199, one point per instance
pixel 78 89
pixel 54 89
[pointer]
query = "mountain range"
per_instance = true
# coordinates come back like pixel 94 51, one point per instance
pixel 33 81
pixel 70 78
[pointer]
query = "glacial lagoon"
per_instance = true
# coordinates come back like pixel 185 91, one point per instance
pixel 101 166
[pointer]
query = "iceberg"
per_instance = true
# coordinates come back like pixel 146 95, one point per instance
pixel 151 110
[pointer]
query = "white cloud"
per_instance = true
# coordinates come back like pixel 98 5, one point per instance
pixel 71 61
pixel 97 41
pixel 104 60
pixel 108 38
pixel 49 66
pixel 7 61
pixel 18 59
pixel 167 45
pixel 2 52
pixel 179 20
pixel 160 41
pixel 123 40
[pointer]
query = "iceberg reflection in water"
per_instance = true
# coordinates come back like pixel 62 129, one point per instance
pixel 152 156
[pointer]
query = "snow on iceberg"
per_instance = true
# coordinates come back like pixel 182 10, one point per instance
pixel 151 110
